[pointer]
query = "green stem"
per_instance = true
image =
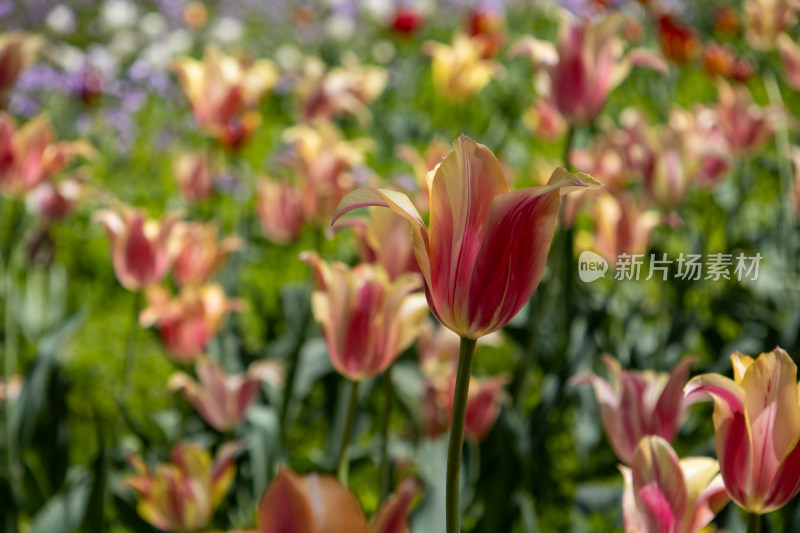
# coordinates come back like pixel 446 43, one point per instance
pixel 453 481
pixel 344 455
pixel 130 347
pixel 386 464
pixel 753 522
pixel 11 348
pixel 291 374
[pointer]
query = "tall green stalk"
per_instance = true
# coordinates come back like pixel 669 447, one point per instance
pixel 453 481
pixel 130 347
pixel 753 522
pixel 386 465
pixel 344 452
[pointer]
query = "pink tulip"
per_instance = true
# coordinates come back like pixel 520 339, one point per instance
pixel 181 496
pixel 438 359
pixel 746 126
pixel 199 253
pixel 635 404
pixel 622 226
pixel 280 210
pixel 223 399
pixel 194 174
pixel 383 239
pixel 53 202
pixel 422 163
pixel 765 20
pixel 139 246
pixel 189 321
pixel 29 154
pixel 757 428
pixel 367 320
pixel 477 277
pixel 588 62
pixel 664 494
pixel 320 504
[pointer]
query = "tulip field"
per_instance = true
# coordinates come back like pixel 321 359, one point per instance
pixel 399 266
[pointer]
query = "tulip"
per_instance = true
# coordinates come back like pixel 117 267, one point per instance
pixel 224 91
pixel 757 428
pixel 406 20
pixel 765 20
pixel 187 322
pixel 198 252
pixel 667 180
pixel 194 175
pixel 438 354
pixel 383 239
pixel 367 320
pixel 181 496
pixel 589 62
pixel 790 53
pixel 622 226
pixel 422 163
pixel 139 246
pixel 322 163
pixel 29 155
pixel 706 150
pixel 17 51
pixel 279 208
pixel 487 27
pixel 635 404
pixel 664 494
pixel 679 42
pixel 345 90
pixel 319 504
pixel 746 126
pixel 459 70
pixel 476 278
pixel 222 399
pixel 53 202
pixel 476 275
pixel 717 60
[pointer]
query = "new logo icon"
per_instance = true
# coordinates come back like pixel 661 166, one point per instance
pixel 591 266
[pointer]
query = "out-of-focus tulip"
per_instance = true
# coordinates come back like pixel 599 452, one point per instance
pixel 320 504
pixel 198 251
pixel 181 496
pixel 757 427
pixel 459 70
pixel 476 276
pixel 224 91
pixel 664 494
pixel 383 238
pixel 746 126
pixel 790 53
pixel 706 150
pixel 725 21
pixel 53 202
pixel 634 404
pixel 187 322
pixel 576 76
pixel 717 60
pixel 322 163
pixel 764 20
pixel 406 20
pixel 679 42
pixel 194 174
pixel 139 246
pixel 344 90
pixel 544 120
pixel 367 320
pixel 487 26
pixel 667 181
pixel 29 154
pixel 438 358
pixel 223 399
pixel 17 51
pixel 280 210
pixel 622 226
pixel 422 164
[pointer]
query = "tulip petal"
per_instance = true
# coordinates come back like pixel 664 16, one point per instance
pixel 334 508
pixel 671 400
pixel 786 483
pixel 285 508
pixel 403 206
pixel 462 193
pixel 506 273
pixel 770 386
pixel 658 485
pixel 392 517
